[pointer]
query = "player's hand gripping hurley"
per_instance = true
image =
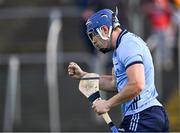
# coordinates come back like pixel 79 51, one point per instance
pixel 89 86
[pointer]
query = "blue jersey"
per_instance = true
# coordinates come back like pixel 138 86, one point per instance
pixel 131 49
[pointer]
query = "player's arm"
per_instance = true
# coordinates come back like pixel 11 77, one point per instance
pixel 136 83
pixel 75 71
pixel 106 82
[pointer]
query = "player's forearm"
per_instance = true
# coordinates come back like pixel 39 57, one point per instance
pixel 107 83
pixel 130 91
pixel 83 73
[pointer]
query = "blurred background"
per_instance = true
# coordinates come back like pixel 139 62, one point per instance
pixel 38 38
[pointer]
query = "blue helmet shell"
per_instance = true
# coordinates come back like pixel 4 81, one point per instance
pixel 94 24
pixel 102 17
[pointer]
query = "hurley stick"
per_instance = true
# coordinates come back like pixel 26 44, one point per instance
pixel 89 87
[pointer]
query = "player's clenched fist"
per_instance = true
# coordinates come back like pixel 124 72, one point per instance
pixel 75 71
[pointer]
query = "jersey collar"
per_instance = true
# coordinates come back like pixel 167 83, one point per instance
pixel 124 31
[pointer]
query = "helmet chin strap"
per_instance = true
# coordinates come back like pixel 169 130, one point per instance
pixel 104 50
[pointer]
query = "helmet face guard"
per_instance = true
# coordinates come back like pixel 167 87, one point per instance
pixel 92 33
pixel 94 23
pixel 102 43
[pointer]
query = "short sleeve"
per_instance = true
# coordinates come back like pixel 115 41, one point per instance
pixel 130 53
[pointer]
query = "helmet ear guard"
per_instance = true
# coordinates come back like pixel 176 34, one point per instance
pixel 115 23
pixel 100 33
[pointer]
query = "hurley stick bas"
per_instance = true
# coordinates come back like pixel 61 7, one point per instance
pixel 89 87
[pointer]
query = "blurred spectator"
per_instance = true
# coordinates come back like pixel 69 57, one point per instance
pixel 176 14
pixel 176 19
pixel 159 13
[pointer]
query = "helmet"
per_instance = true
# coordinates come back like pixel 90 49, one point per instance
pixel 100 18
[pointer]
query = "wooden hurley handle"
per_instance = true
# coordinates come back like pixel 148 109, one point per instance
pixel 106 118
pixel 111 125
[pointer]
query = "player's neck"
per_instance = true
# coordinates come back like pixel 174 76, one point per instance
pixel 115 35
